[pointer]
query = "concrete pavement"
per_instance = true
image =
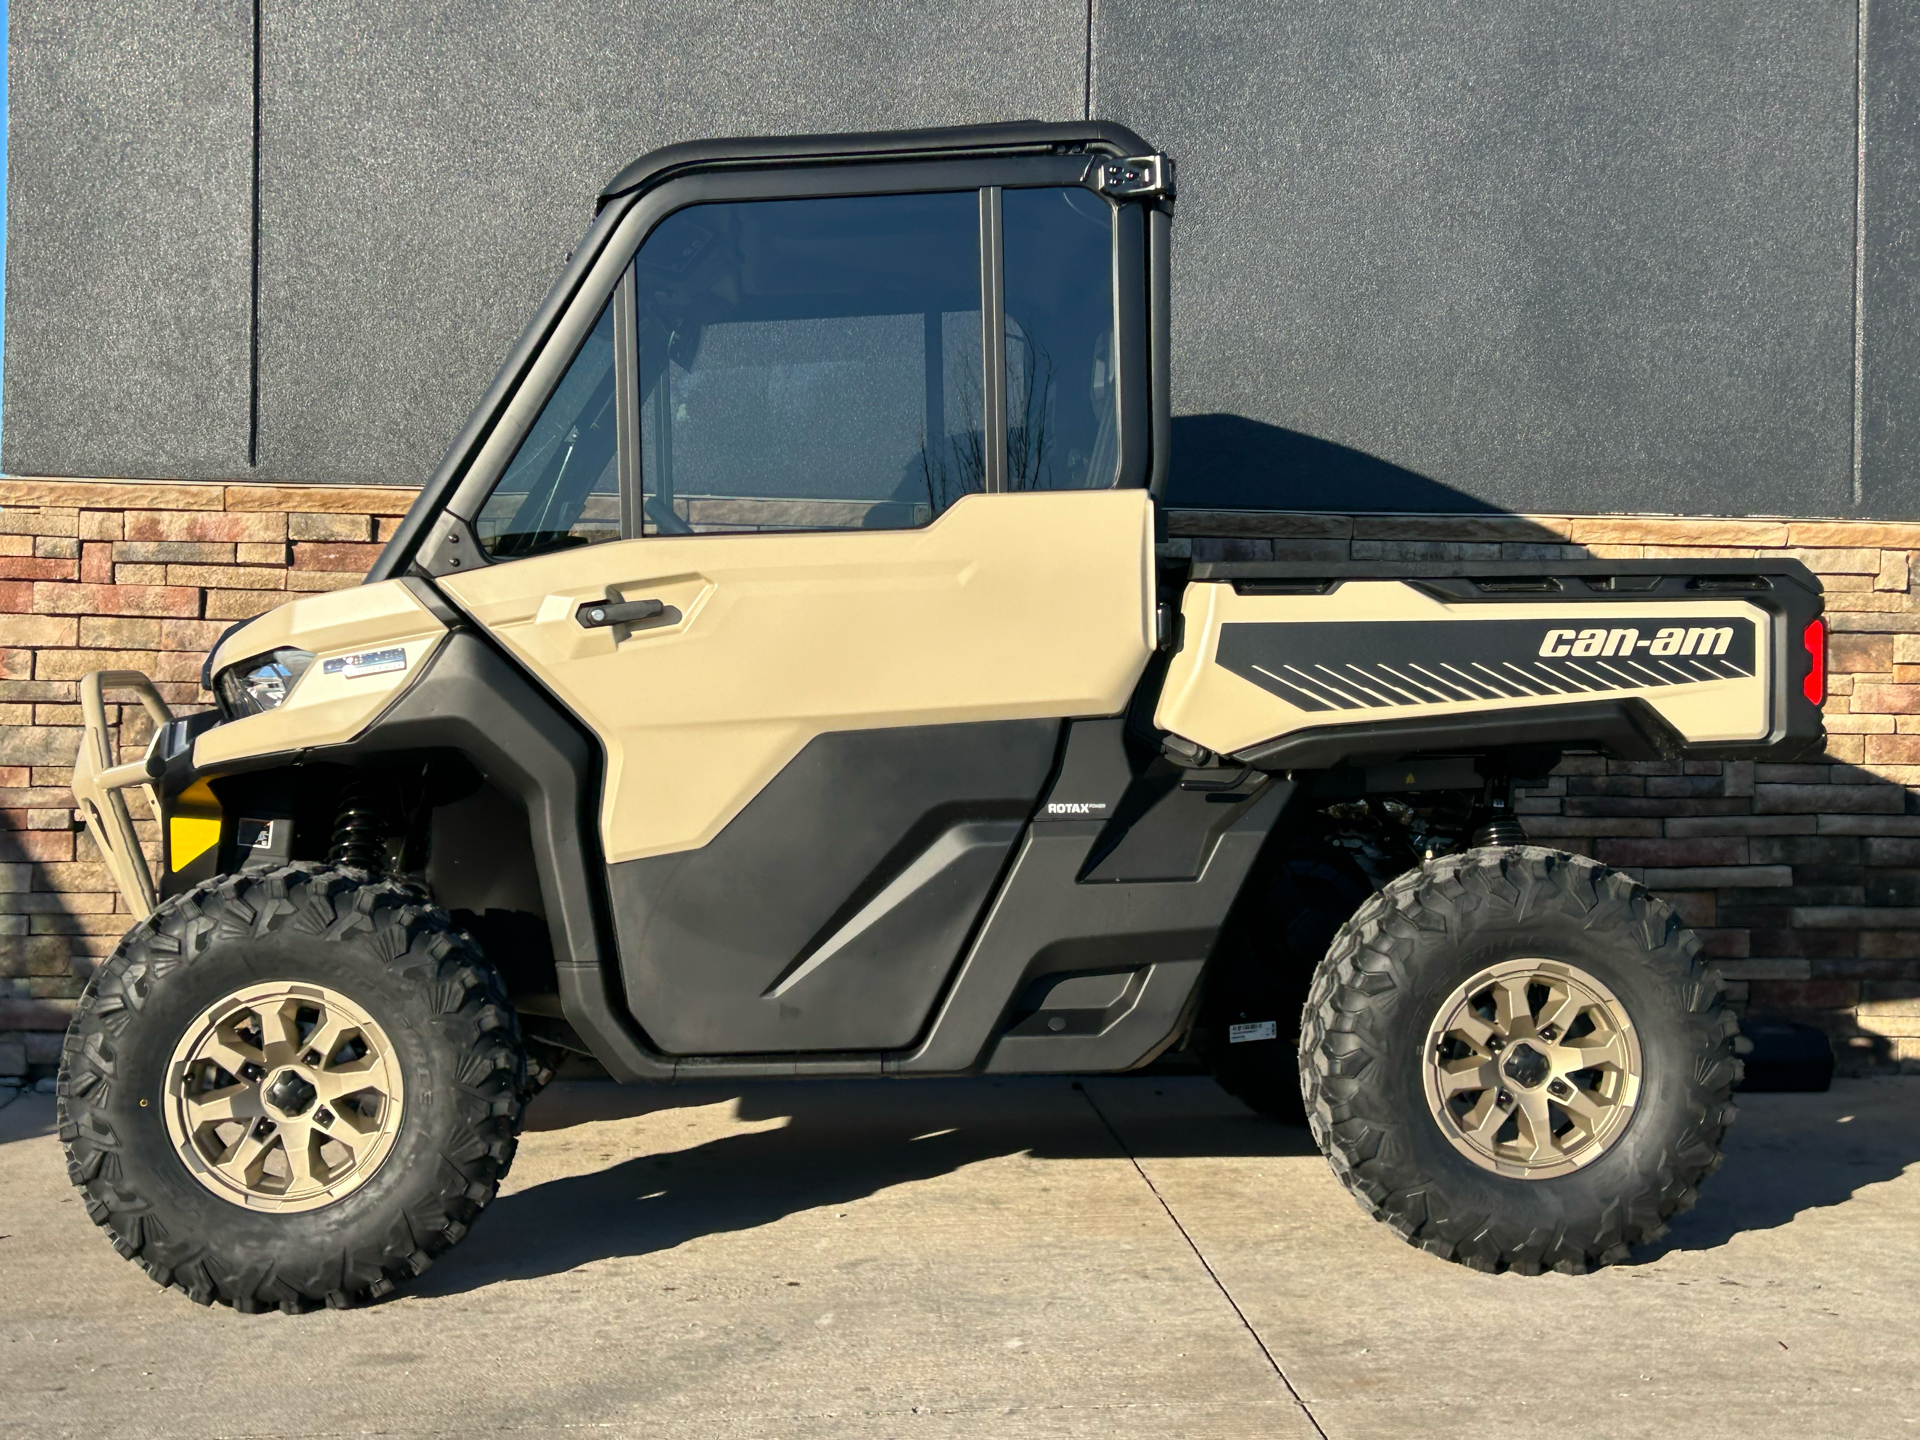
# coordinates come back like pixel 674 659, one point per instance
pixel 1013 1258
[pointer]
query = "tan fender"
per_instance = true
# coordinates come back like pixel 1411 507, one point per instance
pixel 325 708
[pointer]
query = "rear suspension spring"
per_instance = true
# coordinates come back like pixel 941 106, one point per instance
pixel 1501 830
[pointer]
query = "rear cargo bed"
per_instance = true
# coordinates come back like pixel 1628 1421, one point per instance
pixel 1305 664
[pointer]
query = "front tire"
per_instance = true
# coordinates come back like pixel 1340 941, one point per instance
pixel 291 1089
pixel 1516 1058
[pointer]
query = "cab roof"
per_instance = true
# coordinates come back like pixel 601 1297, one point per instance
pixel 1039 136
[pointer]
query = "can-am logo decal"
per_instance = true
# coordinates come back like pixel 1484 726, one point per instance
pixel 1380 664
pixel 367 662
pixel 1667 640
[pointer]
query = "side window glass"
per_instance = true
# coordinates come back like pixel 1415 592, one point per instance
pixel 810 364
pixel 1062 404
pixel 562 487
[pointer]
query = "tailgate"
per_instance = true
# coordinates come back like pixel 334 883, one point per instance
pixel 1303 665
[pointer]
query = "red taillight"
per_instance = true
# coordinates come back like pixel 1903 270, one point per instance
pixel 1814 637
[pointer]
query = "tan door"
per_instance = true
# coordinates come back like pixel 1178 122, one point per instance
pixel 834 687
pixel 1008 606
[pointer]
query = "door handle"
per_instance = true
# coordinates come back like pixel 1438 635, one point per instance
pixel 597 613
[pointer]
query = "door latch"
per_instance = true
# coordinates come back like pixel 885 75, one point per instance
pixel 597 613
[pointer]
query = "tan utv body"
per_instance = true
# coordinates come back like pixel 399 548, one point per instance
pixel 780 677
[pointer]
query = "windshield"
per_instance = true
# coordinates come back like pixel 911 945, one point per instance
pixel 562 488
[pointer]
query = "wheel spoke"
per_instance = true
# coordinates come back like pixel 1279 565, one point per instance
pixel 352 1130
pixel 349 1079
pixel 1470 1028
pixel 1536 1126
pixel 230 1054
pixel 1470 1074
pixel 1563 1007
pixel 246 1159
pixel 303 1166
pixel 280 1028
pixel 1510 1005
pixel 327 1035
pixel 234 1102
pixel 1594 1050
pixel 1486 1117
pixel 1587 1110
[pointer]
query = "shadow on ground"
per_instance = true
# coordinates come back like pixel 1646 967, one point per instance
pixel 830 1144
pixel 1788 1154
pixel 26 1118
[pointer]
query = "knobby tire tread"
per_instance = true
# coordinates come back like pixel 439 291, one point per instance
pixel 390 919
pixel 1343 1057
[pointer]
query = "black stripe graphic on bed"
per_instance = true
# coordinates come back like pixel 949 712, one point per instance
pixel 1379 664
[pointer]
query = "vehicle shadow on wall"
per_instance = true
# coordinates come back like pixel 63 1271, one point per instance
pixel 1231 462
pixel 821 1144
pixel 824 1144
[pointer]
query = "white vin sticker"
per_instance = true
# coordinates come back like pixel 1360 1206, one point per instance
pixel 1257 1030
pixel 367 662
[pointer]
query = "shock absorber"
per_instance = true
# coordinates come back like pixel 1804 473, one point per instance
pixel 1498 824
pixel 361 825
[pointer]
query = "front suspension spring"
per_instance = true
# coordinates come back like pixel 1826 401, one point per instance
pixel 361 826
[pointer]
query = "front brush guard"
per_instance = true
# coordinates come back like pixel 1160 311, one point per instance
pixel 98 783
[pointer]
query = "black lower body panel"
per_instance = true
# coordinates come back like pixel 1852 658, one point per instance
pixel 1075 973
pixel 829 913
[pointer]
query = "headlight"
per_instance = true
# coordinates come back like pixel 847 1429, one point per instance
pixel 256 686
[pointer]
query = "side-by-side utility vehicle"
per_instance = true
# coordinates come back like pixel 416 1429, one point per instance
pixel 780 677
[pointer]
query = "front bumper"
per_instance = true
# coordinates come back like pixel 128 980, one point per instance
pixel 99 783
pixel 190 824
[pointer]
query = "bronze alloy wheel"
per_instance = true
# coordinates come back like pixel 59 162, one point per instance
pixel 1532 1069
pixel 1448 1065
pixel 283 1097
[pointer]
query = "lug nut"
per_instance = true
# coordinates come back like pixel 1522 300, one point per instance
pixel 1549 1033
pixel 323 1116
pixel 1559 1089
pixel 251 1071
pixel 262 1128
pixel 1494 1043
pixel 1503 1099
pixel 312 1057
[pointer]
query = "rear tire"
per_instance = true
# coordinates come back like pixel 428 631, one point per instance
pixel 143 1067
pixel 1395 1094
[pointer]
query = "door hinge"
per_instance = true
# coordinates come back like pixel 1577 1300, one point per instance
pixel 1144 177
pixel 449 546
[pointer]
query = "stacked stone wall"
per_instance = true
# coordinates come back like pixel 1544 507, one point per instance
pixel 1803 879
pixel 98 575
